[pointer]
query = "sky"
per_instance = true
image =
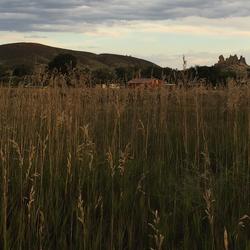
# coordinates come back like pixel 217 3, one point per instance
pixel 161 31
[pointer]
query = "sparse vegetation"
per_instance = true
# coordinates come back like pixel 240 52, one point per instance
pixel 125 169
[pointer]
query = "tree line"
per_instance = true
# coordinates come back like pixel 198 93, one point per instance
pixel 67 65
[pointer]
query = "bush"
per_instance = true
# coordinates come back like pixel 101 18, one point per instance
pixel 103 75
pixel 3 71
pixel 63 63
pixel 22 70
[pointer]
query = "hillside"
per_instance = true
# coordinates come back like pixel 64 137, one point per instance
pixel 30 53
pixel 124 68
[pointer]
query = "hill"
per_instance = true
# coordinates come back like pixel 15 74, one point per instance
pixel 31 53
pixel 107 67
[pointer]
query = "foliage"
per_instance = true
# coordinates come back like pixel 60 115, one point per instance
pixel 103 75
pixel 212 75
pixel 3 70
pixel 156 72
pixel 124 169
pixel 63 63
pixel 22 70
pixel 122 74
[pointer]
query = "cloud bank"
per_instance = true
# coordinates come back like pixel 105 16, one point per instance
pixel 158 30
pixel 82 15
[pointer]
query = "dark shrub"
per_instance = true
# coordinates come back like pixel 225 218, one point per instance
pixel 3 71
pixel 63 63
pixel 22 70
pixel 103 75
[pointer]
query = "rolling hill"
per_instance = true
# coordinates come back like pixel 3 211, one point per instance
pixel 32 53
pixel 35 55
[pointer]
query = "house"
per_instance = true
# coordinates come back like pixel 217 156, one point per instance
pixel 145 82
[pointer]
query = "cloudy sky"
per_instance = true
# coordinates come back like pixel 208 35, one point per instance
pixel 158 30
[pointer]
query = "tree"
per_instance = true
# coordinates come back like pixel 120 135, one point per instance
pixel 22 70
pixel 3 70
pixel 63 63
pixel 103 75
pixel 121 74
pixel 153 72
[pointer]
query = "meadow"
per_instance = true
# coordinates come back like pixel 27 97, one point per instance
pixel 125 169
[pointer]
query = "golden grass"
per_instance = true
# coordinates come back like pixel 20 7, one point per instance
pixel 84 168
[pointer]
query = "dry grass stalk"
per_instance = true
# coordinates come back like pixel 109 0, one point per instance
pixel 44 137
pixel 157 237
pixel 209 200
pixel 243 222
pixel 124 158
pixel 226 242
pixel 4 197
pixel 31 200
pixel 111 163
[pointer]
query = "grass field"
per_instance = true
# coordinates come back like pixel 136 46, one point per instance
pixel 125 169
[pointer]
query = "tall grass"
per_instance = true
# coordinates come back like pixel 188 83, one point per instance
pixel 125 169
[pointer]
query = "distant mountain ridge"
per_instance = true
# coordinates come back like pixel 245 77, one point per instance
pixel 33 53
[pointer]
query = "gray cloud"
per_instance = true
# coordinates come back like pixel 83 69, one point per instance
pixel 35 37
pixel 45 15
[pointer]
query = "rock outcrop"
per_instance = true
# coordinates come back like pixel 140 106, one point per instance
pixel 242 60
pixel 231 61
pixel 234 66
